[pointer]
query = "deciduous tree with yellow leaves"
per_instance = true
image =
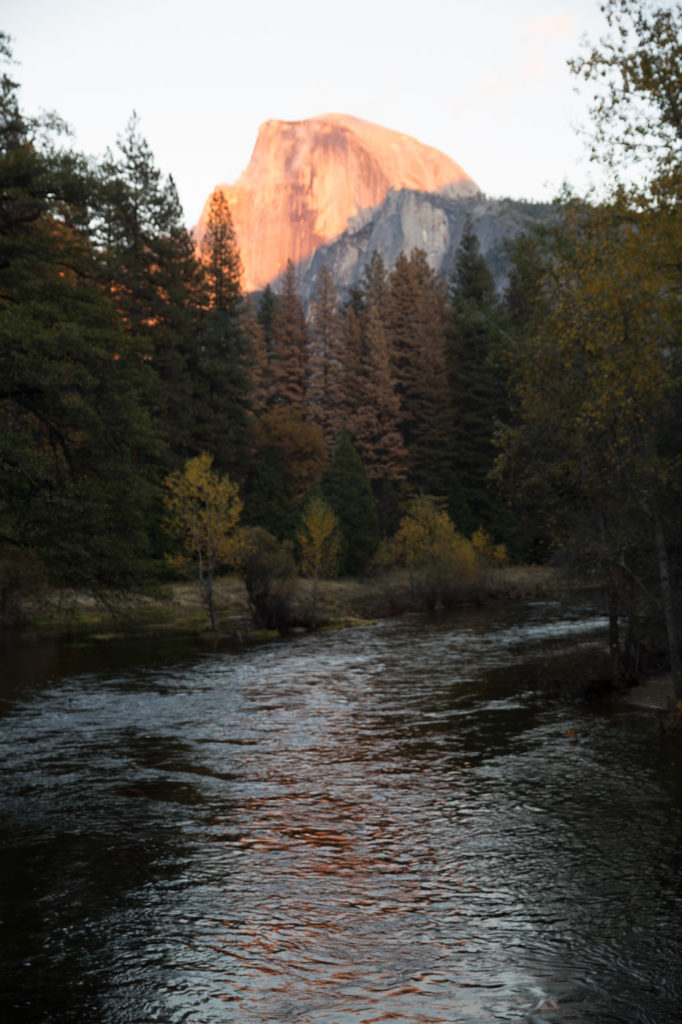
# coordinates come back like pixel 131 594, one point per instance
pixel 319 540
pixel 203 510
pixel 441 562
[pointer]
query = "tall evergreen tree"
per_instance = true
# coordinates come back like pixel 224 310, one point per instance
pixel 373 424
pixel 290 344
pixel 477 392
pixel 373 290
pixel 415 317
pixel 224 359
pixel 222 261
pixel 262 333
pixel 75 441
pixel 325 359
pixel 154 277
pixel 346 486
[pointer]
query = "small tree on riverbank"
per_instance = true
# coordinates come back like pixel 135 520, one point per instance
pixel 203 510
pixel 319 541
pixel 440 561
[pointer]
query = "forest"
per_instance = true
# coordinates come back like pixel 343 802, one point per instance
pixel 151 411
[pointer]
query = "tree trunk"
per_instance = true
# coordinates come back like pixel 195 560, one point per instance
pixel 210 601
pixel 315 598
pixel 668 607
pixel 206 584
pixel 614 636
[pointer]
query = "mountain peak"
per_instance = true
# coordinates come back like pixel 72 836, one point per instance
pixel 307 179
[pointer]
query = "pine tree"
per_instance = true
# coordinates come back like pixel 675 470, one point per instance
pixel 263 339
pixel 325 360
pixel 154 277
pixel 222 262
pixel 346 486
pixel 290 344
pixel 224 360
pixel 415 317
pixel 477 392
pixel 76 444
pixel 373 424
pixel 373 289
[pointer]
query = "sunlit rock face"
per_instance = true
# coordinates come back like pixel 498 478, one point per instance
pixel 307 179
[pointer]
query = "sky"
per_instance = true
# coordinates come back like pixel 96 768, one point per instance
pixel 485 81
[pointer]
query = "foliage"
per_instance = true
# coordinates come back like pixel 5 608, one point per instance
pixel 300 443
pixel 318 539
pixel 268 572
pixel 596 385
pixel 324 398
pixel 290 344
pixel 346 487
pixel 476 389
pixel 203 510
pixel 442 563
pixel 223 362
pixel 319 542
pixel 636 114
pixel 76 442
pixel 485 547
pixel 268 499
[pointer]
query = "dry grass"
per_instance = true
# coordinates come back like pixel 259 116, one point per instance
pixel 179 607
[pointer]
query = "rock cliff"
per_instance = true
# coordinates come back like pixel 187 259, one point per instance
pixel 307 180
pixel 433 222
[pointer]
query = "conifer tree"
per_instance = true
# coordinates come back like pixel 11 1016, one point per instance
pixel 352 370
pixel 373 424
pixel 477 392
pixel 415 317
pixel 325 345
pixel 373 289
pixel 224 357
pixel 290 344
pixel 153 275
pixel 347 488
pixel 220 253
pixel 76 443
pixel 262 333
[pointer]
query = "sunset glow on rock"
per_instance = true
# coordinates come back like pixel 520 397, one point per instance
pixel 306 179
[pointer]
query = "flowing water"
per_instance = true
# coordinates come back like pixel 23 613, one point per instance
pixel 377 824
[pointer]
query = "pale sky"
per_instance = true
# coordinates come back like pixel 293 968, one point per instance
pixel 485 81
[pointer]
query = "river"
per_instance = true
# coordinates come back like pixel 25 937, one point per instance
pixel 376 824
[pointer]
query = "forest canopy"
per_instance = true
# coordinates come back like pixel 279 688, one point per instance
pixel 545 418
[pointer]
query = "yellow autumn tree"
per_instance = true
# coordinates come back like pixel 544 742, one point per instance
pixel 202 510
pixel 441 562
pixel 491 554
pixel 319 541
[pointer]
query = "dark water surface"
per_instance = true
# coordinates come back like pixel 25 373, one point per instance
pixel 378 824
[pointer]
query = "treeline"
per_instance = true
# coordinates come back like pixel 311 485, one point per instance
pixel 595 441
pixel 547 420
pixel 124 353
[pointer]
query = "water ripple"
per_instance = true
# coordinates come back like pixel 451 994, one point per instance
pixel 342 829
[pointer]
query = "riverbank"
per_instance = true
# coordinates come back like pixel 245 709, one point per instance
pixel 179 608
pixel 655 694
